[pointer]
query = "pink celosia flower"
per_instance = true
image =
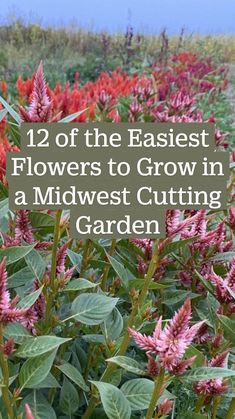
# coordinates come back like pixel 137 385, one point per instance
pixel 40 109
pixel 28 412
pixel 60 262
pixel 231 216
pixel 152 366
pixel 8 312
pixel 223 287
pixel 35 312
pixel 170 343
pixel 8 347
pixel 176 337
pixel 4 294
pixel 215 386
pixel 165 407
pixel 146 245
pixel 172 220
pixel 23 229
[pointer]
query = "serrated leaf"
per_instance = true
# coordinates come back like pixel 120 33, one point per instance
pixel 92 309
pixel 115 404
pixel 207 373
pixel 127 364
pixel 73 374
pixel 36 369
pixel 13 254
pixel 39 345
pixel 30 299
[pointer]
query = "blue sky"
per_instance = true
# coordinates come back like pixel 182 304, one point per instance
pixel 150 16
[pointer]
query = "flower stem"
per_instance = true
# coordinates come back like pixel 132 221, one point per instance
pixel 5 372
pixel 156 394
pixel 199 404
pixel 56 238
pixel 216 403
pixel 85 257
pixel 231 411
pixel 126 338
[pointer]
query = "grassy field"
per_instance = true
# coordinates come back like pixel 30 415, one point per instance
pixel 64 51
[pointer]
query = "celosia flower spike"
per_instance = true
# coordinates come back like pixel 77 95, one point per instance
pixel 40 109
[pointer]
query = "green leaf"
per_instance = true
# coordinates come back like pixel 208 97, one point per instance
pixel 69 399
pixel 115 404
pixel 39 345
pixel 177 296
pixel 36 263
pixel 113 325
pixel 93 338
pixel 19 278
pixel 127 364
pixel 71 372
pixel 16 331
pixel 48 382
pixel 228 326
pixel 138 283
pixel 36 369
pixel 208 285
pixel 76 259
pixel 30 299
pixel 193 415
pixel 123 273
pixel 172 247
pixel 223 256
pixel 3 113
pixel 73 116
pixel 92 309
pixel 4 210
pixel 138 392
pixel 13 254
pixel 40 220
pixel 79 284
pixel 192 351
pixel 11 111
pixel 40 407
pixel 207 373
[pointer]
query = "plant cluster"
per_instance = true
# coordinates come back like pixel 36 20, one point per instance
pixel 118 328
